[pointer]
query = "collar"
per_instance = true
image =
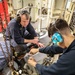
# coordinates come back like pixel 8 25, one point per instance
pixel 70 47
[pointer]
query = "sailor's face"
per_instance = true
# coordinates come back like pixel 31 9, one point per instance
pixel 24 22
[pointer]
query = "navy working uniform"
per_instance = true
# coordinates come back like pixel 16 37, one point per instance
pixel 65 65
pixel 19 33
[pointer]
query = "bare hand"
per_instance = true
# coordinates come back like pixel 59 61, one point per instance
pixel 34 41
pixel 40 45
pixel 32 62
pixel 34 50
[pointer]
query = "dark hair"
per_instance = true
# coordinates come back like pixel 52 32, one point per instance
pixel 23 12
pixel 59 25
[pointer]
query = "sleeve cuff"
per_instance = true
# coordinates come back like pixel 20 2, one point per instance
pixel 22 40
pixel 41 50
pixel 38 68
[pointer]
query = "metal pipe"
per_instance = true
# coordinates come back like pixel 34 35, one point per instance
pixel 49 11
pixel 39 25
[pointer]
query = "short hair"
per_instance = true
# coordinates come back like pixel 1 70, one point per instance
pixel 23 12
pixel 59 25
pixel 26 13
